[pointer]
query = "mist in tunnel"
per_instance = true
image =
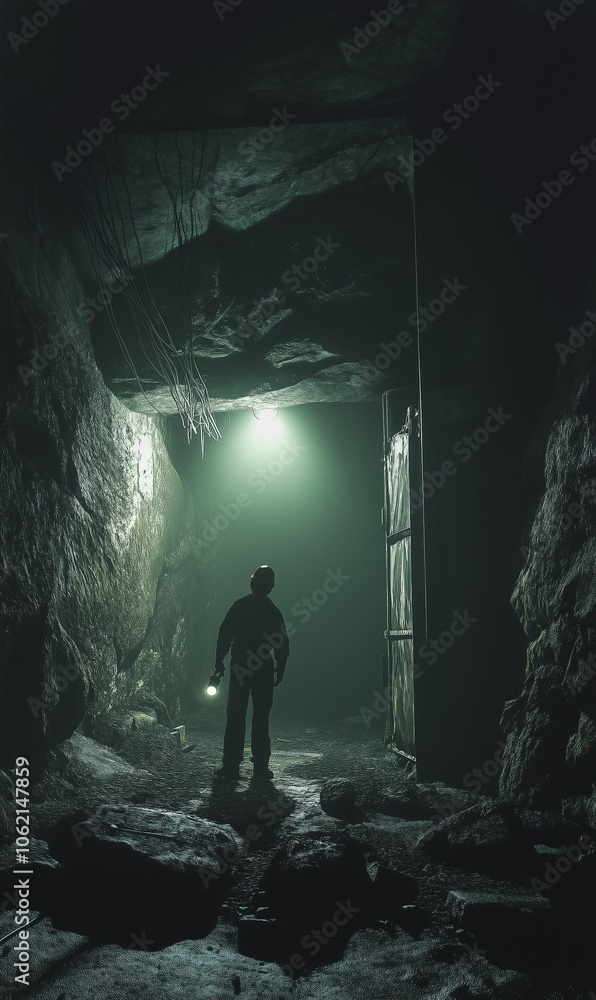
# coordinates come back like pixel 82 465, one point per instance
pixel 303 494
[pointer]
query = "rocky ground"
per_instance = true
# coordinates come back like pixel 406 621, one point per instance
pixel 160 880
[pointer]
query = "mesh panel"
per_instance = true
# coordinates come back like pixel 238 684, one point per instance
pixel 398 478
pixel 401 659
pixel 400 584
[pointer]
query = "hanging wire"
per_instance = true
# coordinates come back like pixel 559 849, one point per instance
pixel 103 220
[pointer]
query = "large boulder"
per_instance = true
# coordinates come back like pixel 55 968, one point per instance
pixel 315 869
pixel 317 883
pixel 515 927
pixel 487 837
pixel 131 872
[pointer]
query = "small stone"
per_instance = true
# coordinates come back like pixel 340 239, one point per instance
pixel 338 798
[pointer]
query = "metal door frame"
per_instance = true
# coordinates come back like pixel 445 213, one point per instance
pixel 405 401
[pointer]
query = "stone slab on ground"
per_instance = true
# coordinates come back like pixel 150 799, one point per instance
pixel 486 837
pixel 96 760
pixel 130 871
pixel 516 926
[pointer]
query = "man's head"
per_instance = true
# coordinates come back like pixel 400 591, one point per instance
pixel 263 580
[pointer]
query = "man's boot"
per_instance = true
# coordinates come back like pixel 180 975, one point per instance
pixel 229 772
pixel 261 771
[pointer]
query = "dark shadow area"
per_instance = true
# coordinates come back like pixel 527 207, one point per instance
pixel 145 891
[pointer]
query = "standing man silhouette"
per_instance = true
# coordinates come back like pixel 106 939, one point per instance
pixel 254 628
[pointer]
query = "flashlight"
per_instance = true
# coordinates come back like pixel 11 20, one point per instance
pixel 213 683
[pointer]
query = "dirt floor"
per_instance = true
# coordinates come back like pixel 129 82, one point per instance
pixel 424 956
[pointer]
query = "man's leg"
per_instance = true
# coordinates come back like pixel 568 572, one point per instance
pixel 238 692
pixel 262 699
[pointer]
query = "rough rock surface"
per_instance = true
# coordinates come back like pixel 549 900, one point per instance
pixel 315 869
pixel 231 182
pixel 430 800
pixel 338 798
pixel 263 333
pixel 506 926
pixel 127 869
pixel 486 837
pixel 98 576
pixel 416 951
pixel 551 725
pixel 95 761
pixel 251 208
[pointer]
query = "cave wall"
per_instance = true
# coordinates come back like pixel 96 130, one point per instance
pixel 100 587
pixel 551 726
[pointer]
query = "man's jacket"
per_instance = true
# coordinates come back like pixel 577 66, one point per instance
pixel 253 625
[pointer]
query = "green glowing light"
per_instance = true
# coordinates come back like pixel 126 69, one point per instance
pixel 267 424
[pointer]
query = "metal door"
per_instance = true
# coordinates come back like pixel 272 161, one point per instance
pixel 406 601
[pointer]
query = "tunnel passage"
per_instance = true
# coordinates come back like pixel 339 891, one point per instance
pixel 426 277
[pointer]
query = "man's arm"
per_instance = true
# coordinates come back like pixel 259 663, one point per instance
pixel 282 654
pixel 224 640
